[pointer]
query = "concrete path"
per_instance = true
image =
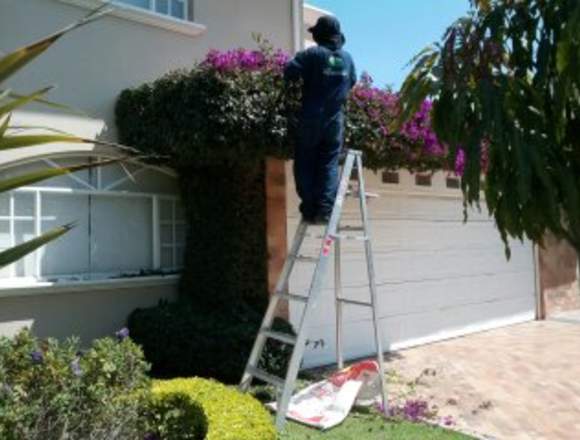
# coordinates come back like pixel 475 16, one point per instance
pixel 516 383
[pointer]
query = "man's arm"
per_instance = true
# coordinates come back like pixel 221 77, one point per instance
pixel 352 74
pixel 296 68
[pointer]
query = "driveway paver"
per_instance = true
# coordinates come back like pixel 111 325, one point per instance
pixel 515 383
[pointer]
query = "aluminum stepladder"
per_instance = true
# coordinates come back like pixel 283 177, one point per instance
pixel 333 235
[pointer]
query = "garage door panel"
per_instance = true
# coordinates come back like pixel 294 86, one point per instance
pixel 414 329
pixel 411 298
pixel 437 277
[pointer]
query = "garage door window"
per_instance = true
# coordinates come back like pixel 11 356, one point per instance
pixel 128 222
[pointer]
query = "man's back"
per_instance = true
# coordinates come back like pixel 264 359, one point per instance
pixel 328 74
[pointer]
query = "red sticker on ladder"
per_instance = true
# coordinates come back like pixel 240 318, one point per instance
pixel 326 251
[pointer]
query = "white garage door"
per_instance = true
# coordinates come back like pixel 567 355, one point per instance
pixel 437 277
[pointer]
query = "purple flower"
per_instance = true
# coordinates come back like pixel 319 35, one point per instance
pixel 37 357
pixel 448 421
pixel 460 162
pixel 76 368
pixel 122 334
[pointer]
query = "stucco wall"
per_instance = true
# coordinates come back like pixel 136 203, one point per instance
pixel 87 313
pixel 91 66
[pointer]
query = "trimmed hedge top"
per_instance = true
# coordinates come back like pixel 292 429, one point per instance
pixel 235 106
pixel 231 415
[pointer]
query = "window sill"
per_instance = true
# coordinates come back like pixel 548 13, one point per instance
pixel 145 17
pixel 28 287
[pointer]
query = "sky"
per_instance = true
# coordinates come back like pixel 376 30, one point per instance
pixel 383 35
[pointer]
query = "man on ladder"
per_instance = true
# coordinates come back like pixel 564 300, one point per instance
pixel 328 74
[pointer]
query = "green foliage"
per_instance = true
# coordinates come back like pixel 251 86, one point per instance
pixel 230 414
pixel 226 254
pixel 51 390
pixel 182 340
pixel 175 416
pixel 234 107
pixel 505 84
pixel 207 117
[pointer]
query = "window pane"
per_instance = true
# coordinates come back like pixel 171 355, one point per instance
pixel 24 204
pixel 5 242
pixel 4 204
pixel 162 6
pixel 178 8
pixel 166 210
pixel 70 253
pixel 166 258
pixel 139 3
pixel 121 232
pixel 24 231
pixel 166 235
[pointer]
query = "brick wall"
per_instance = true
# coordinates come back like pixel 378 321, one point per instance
pixel 558 264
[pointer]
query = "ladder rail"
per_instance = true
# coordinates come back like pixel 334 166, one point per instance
pixel 372 285
pixel 332 237
pixel 315 289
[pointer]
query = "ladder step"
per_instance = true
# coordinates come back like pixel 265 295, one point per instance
pixel 306 259
pixel 282 337
pixel 266 377
pixel 291 297
pixel 351 229
pixel 351 237
pixel 355 194
pixel 355 303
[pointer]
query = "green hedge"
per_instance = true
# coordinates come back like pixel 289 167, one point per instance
pixel 175 416
pixel 226 258
pixel 230 414
pixel 183 340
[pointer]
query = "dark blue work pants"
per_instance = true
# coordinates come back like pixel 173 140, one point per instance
pixel 316 160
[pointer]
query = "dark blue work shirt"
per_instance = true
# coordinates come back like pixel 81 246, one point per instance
pixel 328 76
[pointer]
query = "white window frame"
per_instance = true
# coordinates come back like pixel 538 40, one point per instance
pixel 153 8
pixel 147 17
pixel 92 190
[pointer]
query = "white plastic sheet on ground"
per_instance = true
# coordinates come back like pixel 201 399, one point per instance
pixel 327 403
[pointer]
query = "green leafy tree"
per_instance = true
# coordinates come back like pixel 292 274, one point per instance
pixel 10 138
pixel 505 84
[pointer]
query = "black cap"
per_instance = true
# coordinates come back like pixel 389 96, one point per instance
pixel 326 26
pixel 327 31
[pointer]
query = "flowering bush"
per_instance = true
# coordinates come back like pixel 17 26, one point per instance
pixel 234 105
pixel 51 390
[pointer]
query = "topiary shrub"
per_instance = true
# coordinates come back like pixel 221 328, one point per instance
pixel 182 340
pixel 51 390
pixel 231 415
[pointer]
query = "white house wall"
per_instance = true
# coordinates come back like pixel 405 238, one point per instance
pixel 91 66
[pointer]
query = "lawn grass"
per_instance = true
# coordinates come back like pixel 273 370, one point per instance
pixel 360 426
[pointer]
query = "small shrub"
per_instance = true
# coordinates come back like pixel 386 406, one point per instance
pixel 231 415
pixel 52 390
pixel 180 340
pixel 175 416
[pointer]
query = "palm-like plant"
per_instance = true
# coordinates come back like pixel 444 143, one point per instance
pixel 10 139
pixel 505 84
